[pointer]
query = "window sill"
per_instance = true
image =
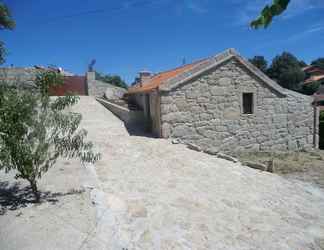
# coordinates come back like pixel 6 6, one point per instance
pixel 248 115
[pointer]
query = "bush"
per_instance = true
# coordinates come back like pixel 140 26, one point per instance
pixel 321 117
pixel 35 130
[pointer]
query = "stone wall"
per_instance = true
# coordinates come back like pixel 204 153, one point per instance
pixel 18 75
pixel 155 113
pixel 114 93
pixel 100 89
pixel 207 111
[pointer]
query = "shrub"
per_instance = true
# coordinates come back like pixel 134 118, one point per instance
pixel 35 130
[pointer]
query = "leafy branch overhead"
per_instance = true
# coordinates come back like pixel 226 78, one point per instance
pixel 269 12
pixel 6 22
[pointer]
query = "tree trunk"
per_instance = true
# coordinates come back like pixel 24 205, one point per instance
pixel 33 184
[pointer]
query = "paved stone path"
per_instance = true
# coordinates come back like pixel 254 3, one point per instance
pixel 149 194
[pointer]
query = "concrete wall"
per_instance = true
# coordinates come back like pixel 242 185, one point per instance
pixel 129 117
pixel 152 113
pixel 138 99
pixel 207 111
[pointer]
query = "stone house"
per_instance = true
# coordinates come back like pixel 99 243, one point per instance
pixel 225 103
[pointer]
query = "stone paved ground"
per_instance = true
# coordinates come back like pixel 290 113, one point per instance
pixel 149 194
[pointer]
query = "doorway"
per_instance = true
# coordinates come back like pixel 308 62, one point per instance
pixel 148 116
pixel 321 130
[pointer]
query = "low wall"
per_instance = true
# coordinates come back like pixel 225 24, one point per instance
pixel 129 117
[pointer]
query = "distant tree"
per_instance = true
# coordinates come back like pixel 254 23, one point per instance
pixel 318 62
pixel 35 130
pixel 285 69
pixel 269 12
pixel 6 22
pixel 260 62
pixel 112 79
pixel 310 88
pixel 302 64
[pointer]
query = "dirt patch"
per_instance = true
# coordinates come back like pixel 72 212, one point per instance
pixel 305 166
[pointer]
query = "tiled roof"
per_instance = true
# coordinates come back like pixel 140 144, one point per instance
pixel 314 78
pixel 160 78
pixel 313 70
pixel 307 67
pixel 169 80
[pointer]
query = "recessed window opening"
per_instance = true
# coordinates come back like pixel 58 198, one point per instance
pixel 247 103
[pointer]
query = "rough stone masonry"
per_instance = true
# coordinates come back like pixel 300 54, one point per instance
pixel 208 111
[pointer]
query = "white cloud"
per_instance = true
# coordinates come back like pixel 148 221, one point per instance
pixel 298 7
pixel 196 7
pixel 306 34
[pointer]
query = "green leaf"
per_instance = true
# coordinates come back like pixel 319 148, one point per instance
pixel 269 12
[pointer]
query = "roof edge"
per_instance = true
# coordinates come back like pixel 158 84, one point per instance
pixel 214 62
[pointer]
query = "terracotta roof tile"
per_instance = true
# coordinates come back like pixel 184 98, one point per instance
pixel 160 78
pixel 314 79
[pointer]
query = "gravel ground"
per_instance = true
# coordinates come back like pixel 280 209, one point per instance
pixel 149 194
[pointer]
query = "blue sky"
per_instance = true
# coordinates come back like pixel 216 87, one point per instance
pixel 127 36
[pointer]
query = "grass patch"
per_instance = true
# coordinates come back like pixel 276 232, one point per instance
pixel 286 162
pixel 303 166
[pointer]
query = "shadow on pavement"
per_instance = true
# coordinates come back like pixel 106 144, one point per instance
pixel 139 130
pixel 13 196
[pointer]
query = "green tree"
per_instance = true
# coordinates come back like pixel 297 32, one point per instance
pixel 310 88
pixel 112 79
pixel 302 64
pixel 285 69
pixel 35 129
pixel 318 62
pixel 269 12
pixel 6 22
pixel 260 62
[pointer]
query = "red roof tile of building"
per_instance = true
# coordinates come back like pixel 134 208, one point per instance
pixel 160 78
pixel 314 79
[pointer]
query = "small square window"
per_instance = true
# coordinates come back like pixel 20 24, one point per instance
pixel 247 100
